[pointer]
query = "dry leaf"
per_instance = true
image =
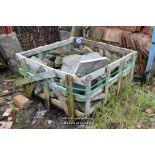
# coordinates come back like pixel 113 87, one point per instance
pixel 6 125
pixel 5 91
pixel 7 112
pixel 149 110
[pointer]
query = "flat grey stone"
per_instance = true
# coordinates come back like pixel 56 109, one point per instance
pixel 101 52
pixel 9 46
pixel 82 65
pixel 108 54
pixel 58 61
pixel 89 66
pixel 90 56
pixel 70 62
pixel 49 63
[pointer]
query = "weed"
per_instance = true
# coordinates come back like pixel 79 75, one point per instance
pixel 125 110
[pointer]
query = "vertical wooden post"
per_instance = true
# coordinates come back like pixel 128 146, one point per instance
pixel 88 95
pixel 76 31
pixel 47 93
pixel 26 87
pixel 70 98
pixel 40 56
pixel 120 77
pixel 133 65
pixel 107 86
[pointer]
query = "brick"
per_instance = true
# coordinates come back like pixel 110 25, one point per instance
pixel 131 28
pixel 21 101
pixel 112 35
pixel 148 30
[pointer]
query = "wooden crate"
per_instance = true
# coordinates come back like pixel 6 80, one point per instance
pixel 75 101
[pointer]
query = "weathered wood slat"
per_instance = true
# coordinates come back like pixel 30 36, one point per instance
pixel 47 47
pixel 59 105
pixel 95 74
pixel 59 96
pixel 120 78
pixel 88 95
pixel 105 46
pixel 107 86
pixel 96 93
pixel 117 63
pixel 33 78
pixel 133 65
pixel 70 97
pixel 27 86
pixel 47 93
pixel 54 72
pixel 113 80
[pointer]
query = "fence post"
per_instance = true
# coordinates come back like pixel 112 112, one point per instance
pixel 133 65
pixel 70 97
pixel 108 70
pixel 120 77
pixel 47 93
pixel 88 95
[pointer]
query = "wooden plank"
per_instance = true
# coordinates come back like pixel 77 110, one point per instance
pixel 33 78
pixel 54 72
pixel 40 56
pixel 95 74
pixel 70 97
pixel 105 46
pixel 120 77
pixel 59 95
pixel 59 105
pixel 79 113
pixel 98 97
pixel 38 60
pixel 63 92
pixel 47 94
pixel 113 65
pixel 92 109
pixel 113 80
pixel 27 86
pixel 88 95
pixel 117 63
pixel 47 47
pixel 133 65
pixel 107 86
pixel 96 92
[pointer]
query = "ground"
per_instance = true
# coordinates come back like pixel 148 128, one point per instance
pixel 134 107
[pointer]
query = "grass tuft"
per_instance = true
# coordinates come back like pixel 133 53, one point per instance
pixel 126 110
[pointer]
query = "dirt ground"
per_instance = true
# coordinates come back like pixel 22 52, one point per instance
pixel 36 116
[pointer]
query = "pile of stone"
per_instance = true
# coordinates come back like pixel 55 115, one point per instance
pixel 82 65
pixel 78 63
